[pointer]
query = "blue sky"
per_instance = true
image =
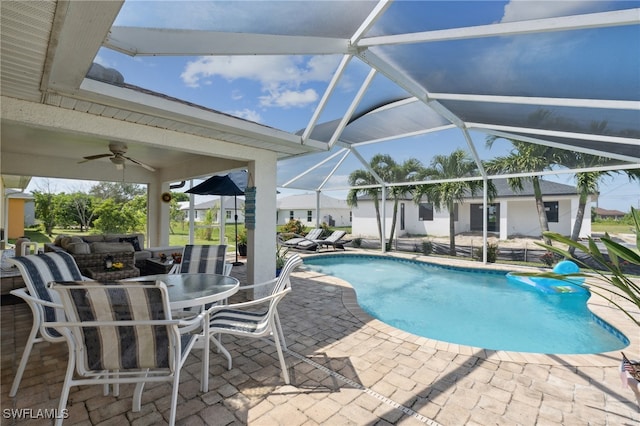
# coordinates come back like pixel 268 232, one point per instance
pixel 283 91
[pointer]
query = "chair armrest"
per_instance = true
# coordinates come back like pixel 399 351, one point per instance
pixel 248 287
pixel 191 324
pixel 24 294
pixel 260 301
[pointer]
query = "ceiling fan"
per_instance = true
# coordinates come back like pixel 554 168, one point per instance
pixel 117 157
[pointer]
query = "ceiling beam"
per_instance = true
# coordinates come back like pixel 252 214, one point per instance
pixel 563 23
pixel 78 32
pixel 134 41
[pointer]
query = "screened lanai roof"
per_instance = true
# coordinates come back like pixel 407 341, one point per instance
pixel 413 79
pixel 418 78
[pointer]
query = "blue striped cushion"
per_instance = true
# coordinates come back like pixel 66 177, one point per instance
pixel 236 320
pixel 203 259
pixel 41 269
pixel 121 348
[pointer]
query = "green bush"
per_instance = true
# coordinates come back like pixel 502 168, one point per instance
pixel 294 226
pixel 427 247
pixel 357 242
pixel 492 252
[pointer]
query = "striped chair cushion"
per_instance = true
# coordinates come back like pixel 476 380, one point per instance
pixel 203 259
pixel 121 347
pixel 41 269
pixel 236 320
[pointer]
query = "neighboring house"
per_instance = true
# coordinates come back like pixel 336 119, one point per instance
pixel 229 211
pixel 304 207
pixel 510 214
pixel 21 212
pixel 608 214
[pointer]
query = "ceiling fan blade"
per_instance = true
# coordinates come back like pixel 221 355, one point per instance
pixel 146 166
pixel 94 157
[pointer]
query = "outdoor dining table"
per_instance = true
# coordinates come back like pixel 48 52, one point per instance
pixel 196 291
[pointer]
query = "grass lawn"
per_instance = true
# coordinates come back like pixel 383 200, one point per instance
pixel 612 227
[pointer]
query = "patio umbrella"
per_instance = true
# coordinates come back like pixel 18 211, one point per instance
pixel 234 184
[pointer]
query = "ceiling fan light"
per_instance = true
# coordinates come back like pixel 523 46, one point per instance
pixel 118 161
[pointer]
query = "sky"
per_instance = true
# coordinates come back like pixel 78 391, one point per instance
pixel 283 91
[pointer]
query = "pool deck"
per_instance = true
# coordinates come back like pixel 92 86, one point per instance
pixel 346 369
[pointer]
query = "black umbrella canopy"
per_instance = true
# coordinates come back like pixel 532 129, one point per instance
pixel 233 183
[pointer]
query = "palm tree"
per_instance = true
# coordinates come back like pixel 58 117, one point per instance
pixel 390 172
pixel 525 157
pixel 446 194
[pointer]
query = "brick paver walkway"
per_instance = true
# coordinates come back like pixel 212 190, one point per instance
pixel 346 369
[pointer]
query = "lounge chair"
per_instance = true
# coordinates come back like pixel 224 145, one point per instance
pixel 299 242
pixel 334 240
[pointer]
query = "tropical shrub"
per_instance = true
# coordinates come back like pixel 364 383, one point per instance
pixel 427 247
pixel 606 270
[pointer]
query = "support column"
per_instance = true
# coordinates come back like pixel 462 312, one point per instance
pixel 261 241
pixel 157 215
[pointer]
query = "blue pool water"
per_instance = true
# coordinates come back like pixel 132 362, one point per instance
pixel 471 307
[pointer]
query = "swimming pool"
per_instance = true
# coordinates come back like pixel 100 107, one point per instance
pixel 471 307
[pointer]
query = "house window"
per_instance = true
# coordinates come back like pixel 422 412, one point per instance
pixel 350 216
pixel 551 209
pixel 290 214
pixel 402 216
pixel 227 215
pixel 309 215
pixel 425 211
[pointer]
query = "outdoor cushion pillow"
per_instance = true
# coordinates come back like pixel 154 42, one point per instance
pixel 110 247
pixel 133 241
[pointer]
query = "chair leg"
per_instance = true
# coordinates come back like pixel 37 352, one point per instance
pixel 279 330
pixel 66 387
pixel 137 397
pixel 33 339
pixel 222 349
pixel 174 398
pixel 285 372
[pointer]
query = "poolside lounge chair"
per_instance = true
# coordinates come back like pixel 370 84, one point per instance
pixel 299 242
pixel 334 240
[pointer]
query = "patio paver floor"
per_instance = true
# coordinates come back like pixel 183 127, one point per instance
pixel 346 369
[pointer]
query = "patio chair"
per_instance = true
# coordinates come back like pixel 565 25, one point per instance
pixel 256 318
pixel 208 259
pixel 37 271
pixel 122 333
pixel 335 240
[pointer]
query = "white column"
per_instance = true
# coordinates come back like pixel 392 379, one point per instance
pixel 261 241
pixel 157 215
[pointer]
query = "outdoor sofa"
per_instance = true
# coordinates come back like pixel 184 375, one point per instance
pixel 89 251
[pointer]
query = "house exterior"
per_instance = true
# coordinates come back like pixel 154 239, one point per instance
pixel 229 210
pixel 21 212
pixel 509 215
pixel 304 207
pixel 609 214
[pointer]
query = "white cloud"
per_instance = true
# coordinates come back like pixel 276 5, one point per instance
pixel 248 114
pixel 281 77
pixel 520 10
pixel 289 98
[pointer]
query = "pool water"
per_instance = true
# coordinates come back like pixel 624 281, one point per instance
pixel 471 307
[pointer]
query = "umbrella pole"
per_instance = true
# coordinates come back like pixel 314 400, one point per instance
pixel 235 210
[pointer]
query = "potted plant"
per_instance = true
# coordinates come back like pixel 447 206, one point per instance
pixel 241 242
